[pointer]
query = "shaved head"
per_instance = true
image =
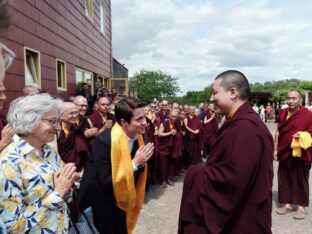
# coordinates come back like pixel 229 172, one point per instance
pixel 235 79
pixel 70 113
pixel 79 99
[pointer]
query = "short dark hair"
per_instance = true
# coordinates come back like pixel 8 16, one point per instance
pixel 4 14
pixel 124 108
pixel 236 79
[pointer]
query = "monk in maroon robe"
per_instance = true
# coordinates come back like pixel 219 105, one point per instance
pixel 169 148
pixel 194 142
pixel 211 126
pixel 71 143
pixel 184 157
pixel 84 124
pixel 293 172
pixel 150 136
pixel 232 193
pixel 102 119
pixel 163 112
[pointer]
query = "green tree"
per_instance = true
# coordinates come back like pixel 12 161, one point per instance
pixel 153 84
pixel 306 85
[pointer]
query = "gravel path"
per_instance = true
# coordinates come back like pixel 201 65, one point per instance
pixel 161 211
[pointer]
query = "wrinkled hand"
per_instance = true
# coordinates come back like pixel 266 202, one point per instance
pixel 90 132
pixel 143 154
pixel 6 135
pixel 64 179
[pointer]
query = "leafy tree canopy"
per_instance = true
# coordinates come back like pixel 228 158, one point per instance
pixel 153 84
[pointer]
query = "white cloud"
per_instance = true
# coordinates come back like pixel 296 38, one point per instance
pixel 195 41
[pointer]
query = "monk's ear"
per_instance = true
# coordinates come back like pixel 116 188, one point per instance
pixel 234 93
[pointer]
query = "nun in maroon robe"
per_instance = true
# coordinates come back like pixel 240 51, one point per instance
pixel 293 173
pixel 194 142
pixel 232 193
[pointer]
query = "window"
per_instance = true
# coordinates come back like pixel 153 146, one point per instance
pixel 89 8
pixel 83 76
pixel 61 77
pixel 32 67
pixel 120 84
pixel 102 19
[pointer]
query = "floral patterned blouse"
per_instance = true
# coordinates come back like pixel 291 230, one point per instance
pixel 28 202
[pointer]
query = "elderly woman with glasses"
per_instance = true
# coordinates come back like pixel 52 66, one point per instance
pixel 33 180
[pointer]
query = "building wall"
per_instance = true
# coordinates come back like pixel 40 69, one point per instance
pixel 58 29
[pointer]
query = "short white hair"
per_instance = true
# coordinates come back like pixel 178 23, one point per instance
pixel 26 112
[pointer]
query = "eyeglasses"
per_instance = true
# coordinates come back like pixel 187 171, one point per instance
pixel 81 105
pixel 8 56
pixel 53 122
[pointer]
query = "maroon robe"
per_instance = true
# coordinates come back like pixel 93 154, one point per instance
pixel 293 173
pixel 163 115
pixel 233 192
pixel 82 126
pixel 194 142
pixel 169 149
pixel 149 136
pixel 210 130
pixel 73 148
pixel 97 120
pixel 299 121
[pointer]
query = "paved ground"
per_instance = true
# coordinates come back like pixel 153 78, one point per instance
pixel 161 211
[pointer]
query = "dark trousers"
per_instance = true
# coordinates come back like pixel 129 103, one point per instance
pixel 293 181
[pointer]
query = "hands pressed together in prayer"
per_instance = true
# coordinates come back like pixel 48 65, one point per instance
pixel 90 132
pixel 108 124
pixel 173 132
pixel 143 154
pixel 65 178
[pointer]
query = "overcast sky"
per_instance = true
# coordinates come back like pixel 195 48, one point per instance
pixel 195 40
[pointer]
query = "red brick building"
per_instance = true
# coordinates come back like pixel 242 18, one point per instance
pixel 59 44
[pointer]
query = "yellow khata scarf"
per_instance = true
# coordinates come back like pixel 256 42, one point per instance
pixel 64 129
pixel 129 197
pixel 304 141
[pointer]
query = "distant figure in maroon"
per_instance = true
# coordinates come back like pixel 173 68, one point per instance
pixel 194 136
pixel 102 119
pixel 211 126
pixel 293 172
pixel 232 193
pixel 170 147
pixel 163 112
pixel 71 143
pixel 150 137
